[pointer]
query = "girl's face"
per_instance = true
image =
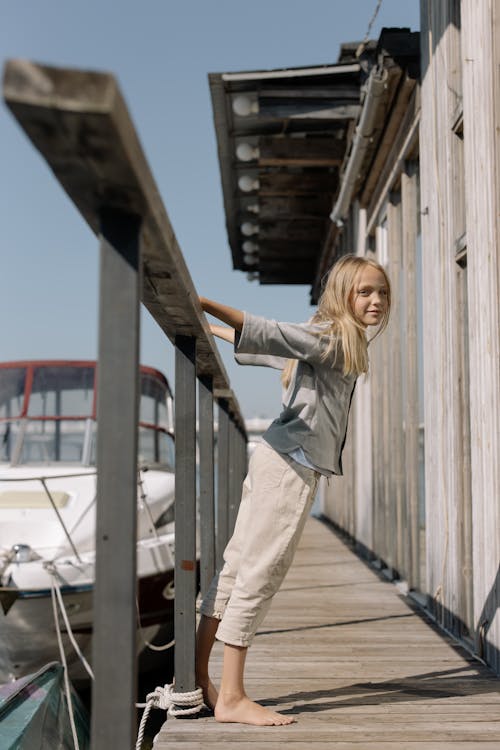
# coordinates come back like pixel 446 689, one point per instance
pixel 369 298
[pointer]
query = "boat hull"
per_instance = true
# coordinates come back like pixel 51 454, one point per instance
pixel 29 638
pixel 34 714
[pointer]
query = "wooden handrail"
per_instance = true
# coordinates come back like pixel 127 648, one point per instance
pixel 80 123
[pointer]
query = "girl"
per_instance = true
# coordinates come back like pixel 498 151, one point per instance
pixel 320 361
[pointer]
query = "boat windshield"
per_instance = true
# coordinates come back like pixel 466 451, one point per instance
pixel 62 391
pixel 12 390
pixel 47 414
pixel 48 440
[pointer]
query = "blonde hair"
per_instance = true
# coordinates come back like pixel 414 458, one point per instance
pixel 335 309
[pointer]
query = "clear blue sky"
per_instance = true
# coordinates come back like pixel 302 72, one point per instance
pixel 161 52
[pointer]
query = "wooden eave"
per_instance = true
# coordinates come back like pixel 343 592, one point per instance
pixel 399 52
pixel 400 143
pixel 395 125
pixel 301 131
pixel 378 162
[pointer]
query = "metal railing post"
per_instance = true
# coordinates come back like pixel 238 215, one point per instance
pixel 242 457
pixel 185 513
pixel 207 474
pixel 222 480
pixel 115 625
pixel 233 476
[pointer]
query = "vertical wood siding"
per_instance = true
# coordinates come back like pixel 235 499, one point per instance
pixel 457 567
pixel 481 84
pixel 392 383
pixel 440 98
pixel 409 367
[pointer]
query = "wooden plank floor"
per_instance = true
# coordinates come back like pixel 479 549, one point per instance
pixel 342 651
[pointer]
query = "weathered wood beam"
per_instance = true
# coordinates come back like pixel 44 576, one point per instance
pixel 285 273
pixel 402 114
pixel 305 152
pixel 402 149
pixel 245 80
pixel 316 109
pixel 308 230
pixel 277 264
pixel 308 206
pixel 90 143
pixel 285 248
pixel 303 277
pixel 332 91
pixel 280 183
pixel 269 126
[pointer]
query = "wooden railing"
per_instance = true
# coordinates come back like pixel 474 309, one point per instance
pixel 79 122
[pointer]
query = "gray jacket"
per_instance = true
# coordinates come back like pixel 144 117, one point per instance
pixel 317 401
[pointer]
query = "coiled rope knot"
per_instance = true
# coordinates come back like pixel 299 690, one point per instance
pixel 176 704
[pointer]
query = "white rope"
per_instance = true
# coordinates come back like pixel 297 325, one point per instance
pixel 65 667
pixel 175 704
pixel 51 569
pixel 165 646
pixel 142 725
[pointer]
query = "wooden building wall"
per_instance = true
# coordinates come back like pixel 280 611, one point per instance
pixel 441 102
pixel 422 487
pixel 481 108
pixel 460 194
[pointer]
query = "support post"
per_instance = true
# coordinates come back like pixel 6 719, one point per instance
pixel 222 480
pixel 233 476
pixel 115 624
pixel 185 512
pixel 242 449
pixel 207 473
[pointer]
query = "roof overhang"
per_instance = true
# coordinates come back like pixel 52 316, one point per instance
pixel 290 139
pixel 282 137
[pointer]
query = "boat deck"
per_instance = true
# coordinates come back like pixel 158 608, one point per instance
pixel 347 655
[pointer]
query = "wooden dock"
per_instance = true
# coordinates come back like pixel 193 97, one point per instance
pixel 346 654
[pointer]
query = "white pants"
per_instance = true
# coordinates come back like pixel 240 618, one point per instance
pixel 276 501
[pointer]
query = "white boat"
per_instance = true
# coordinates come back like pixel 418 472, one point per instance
pixel 47 514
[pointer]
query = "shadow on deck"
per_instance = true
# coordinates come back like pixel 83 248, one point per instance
pixel 359 667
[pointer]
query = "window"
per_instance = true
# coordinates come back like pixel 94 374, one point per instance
pixel 9 431
pixel 153 408
pixel 62 391
pixel 51 440
pixel 12 384
pixel 156 447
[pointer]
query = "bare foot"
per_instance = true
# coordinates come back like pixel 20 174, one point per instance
pixel 210 694
pixel 242 710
